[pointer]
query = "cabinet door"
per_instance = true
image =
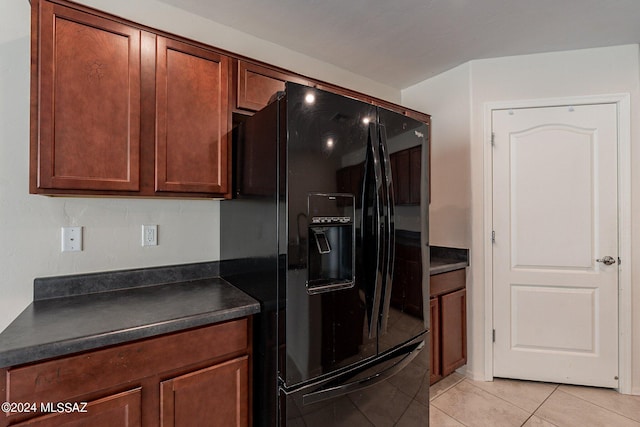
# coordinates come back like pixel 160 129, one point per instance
pixel 122 409
pixel 214 396
pixel 192 118
pixel 85 102
pixel 257 84
pixel 402 176
pixel 454 330
pixel 415 177
pixel 413 292
pixel 434 342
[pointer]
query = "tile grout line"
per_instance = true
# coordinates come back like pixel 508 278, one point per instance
pixel 481 389
pixel 511 403
pixel 595 404
pixel 446 389
pixel 557 386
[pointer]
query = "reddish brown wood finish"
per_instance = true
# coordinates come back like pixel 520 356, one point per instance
pixel 122 409
pixel 454 331
pixel 191 118
pixel 408 179
pixel 72 165
pixel 447 282
pixel 402 176
pixel 415 177
pixel 106 372
pixel 87 101
pixel 257 84
pixel 434 342
pixel 406 292
pixel 448 294
pixel 214 396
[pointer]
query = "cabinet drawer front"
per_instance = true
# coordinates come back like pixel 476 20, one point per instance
pixel 122 409
pixel 73 376
pixel 89 102
pixel 447 282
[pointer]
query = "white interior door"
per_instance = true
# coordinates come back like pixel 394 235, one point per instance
pixel 555 306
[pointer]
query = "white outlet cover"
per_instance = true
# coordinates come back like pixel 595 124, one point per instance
pixel 71 239
pixel 150 235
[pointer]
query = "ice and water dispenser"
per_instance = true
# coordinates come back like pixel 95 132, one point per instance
pixel 331 237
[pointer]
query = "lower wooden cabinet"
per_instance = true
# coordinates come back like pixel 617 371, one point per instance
pixel 406 292
pixel 453 339
pixel 191 378
pixel 434 342
pixel 448 323
pixel 122 409
pixel 187 400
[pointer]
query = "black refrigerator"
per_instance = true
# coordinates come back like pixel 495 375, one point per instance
pixel 328 191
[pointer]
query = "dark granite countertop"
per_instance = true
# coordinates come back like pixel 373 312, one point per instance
pixel 444 259
pixel 69 324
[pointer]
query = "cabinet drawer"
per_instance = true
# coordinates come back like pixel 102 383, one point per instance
pixel 68 377
pixel 447 282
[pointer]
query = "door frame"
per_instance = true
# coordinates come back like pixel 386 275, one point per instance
pixel 623 104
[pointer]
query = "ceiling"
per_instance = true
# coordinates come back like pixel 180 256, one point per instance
pixel 402 42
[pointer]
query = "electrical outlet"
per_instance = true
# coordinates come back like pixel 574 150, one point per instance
pixel 149 235
pixel 71 239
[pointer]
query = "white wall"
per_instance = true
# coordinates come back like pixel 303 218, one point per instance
pixel 447 98
pixel 550 75
pixel 30 224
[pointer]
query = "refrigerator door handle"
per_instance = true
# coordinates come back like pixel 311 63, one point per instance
pixel 340 390
pixel 389 240
pixel 377 228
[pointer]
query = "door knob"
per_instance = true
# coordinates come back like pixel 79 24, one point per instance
pixel 607 260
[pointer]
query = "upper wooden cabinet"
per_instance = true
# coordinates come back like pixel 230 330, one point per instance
pixel 192 117
pixel 118 110
pixel 406 186
pixel 86 124
pixel 257 84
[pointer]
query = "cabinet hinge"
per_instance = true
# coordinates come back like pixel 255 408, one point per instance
pixel 493 139
pixel 493 335
pixel 493 236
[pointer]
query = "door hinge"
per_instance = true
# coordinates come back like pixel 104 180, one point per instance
pixel 493 139
pixel 493 236
pixel 493 335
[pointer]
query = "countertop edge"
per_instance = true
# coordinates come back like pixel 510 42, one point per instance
pixel 447 268
pixel 81 344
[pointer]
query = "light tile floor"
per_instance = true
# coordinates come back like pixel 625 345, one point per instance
pixel 458 401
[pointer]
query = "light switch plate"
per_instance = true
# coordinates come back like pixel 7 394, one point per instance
pixel 71 239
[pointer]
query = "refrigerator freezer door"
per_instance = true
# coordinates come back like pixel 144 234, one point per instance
pixel 391 390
